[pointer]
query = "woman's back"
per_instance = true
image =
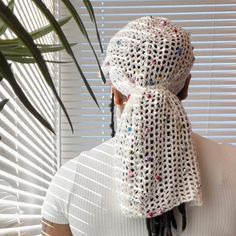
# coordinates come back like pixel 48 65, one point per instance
pixel 85 197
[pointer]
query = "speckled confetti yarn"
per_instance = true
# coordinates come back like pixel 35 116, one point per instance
pixel 156 164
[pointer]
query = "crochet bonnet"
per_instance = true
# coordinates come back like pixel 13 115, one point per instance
pixel 156 166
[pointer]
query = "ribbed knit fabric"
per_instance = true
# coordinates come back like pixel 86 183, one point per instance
pixel 83 194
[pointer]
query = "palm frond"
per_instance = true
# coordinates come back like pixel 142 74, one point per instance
pixel 6 73
pixel 36 34
pixel 3 103
pixel 24 51
pixel 90 10
pixel 31 60
pixel 14 24
pixel 82 28
pixel 3 26
pixel 64 41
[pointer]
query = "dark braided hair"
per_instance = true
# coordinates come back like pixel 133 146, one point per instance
pixel 112 125
pixel 158 225
pixel 161 225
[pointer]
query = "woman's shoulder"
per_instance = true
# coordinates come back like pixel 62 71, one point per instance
pixel 212 149
pixel 215 159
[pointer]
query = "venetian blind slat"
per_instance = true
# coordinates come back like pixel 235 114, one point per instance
pixel 28 153
pixel 211 102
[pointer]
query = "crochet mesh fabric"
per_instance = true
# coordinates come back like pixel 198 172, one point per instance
pixel 156 163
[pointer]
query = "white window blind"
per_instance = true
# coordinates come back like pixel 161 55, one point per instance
pixel 28 157
pixel 211 104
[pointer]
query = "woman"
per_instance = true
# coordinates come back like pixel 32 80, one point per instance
pixel 154 167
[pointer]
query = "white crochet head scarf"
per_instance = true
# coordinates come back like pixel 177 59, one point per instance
pixel 156 163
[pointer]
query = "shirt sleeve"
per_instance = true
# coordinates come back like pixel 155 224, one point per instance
pixel 55 204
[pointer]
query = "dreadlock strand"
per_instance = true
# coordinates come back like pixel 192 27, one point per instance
pixel 112 125
pixel 148 226
pixel 163 224
pixel 169 220
pixel 157 224
pixel 182 211
pixel 172 219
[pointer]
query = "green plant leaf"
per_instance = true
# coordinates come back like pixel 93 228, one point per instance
pixel 6 73
pixel 16 42
pixel 3 26
pixel 48 29
pixel 3 103
pixel 5 46
pixel 14 24
pixel 64 41
pixel 30 60
pixel 10 42
pixel 90 10
pixel 24 51
pixel 80 24
pixel 40 45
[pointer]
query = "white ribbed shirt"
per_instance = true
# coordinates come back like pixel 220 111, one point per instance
pixel 83 194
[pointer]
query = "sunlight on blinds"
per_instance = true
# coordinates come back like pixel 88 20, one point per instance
pixel 211 103
pixel 27 150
